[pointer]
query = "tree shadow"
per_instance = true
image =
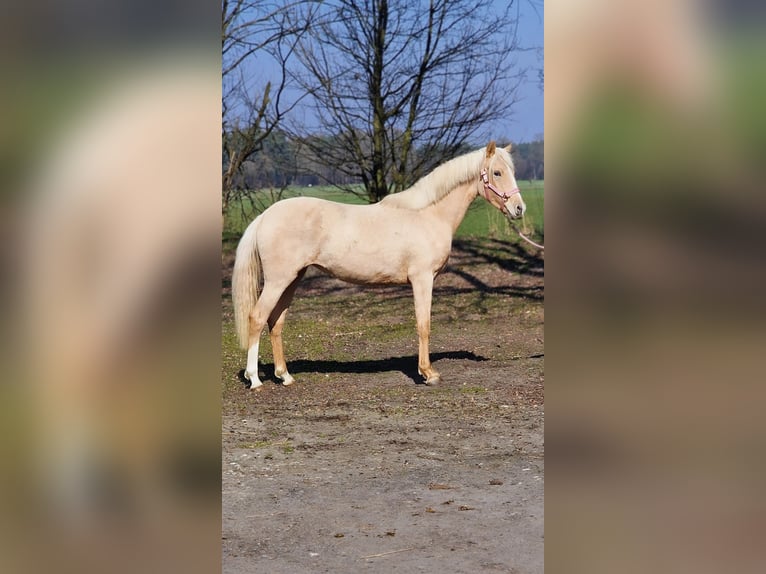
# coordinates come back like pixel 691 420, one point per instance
pixel 509 257
pixel 407 365
pixel 468 254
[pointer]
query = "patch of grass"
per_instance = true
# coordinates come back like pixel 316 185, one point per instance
pixel 390 333
pixel 284 445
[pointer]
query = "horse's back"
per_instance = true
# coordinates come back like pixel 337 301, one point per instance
pixel 307 218
pixel 293 233
pixel 312 217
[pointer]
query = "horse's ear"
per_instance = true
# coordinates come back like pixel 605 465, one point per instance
pixel 491 148
pixel 508 148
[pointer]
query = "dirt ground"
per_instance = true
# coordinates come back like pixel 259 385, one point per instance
pixel 359 468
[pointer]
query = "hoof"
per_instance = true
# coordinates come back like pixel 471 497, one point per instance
pixel 286 378
pixel 433 380
pixel 248 382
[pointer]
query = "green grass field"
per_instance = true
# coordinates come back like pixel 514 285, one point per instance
pixel 482 220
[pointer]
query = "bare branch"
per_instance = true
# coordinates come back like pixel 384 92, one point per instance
pixel 389 79
pixel 253 34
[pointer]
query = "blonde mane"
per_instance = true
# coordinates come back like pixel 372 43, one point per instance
pixel 432 187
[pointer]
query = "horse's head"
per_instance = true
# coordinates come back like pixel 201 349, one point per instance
pixel 497 182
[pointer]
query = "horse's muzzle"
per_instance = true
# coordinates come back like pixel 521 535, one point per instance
pixel 514 212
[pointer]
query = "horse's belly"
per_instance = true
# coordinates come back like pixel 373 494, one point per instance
pixel 366 274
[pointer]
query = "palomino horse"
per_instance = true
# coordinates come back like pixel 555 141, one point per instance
pixel 405 238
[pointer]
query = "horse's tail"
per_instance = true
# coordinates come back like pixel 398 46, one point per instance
pixel 245 281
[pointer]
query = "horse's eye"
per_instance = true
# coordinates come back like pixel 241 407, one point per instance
pixel 497 174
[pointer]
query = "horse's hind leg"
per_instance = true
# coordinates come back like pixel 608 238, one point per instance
pixel 272 292
pixel 276 323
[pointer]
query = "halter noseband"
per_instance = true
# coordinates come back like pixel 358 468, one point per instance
pixel 505 195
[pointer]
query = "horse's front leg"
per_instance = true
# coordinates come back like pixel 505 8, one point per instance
pixel 422 287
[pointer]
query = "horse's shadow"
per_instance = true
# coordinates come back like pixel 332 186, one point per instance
pixel 406 365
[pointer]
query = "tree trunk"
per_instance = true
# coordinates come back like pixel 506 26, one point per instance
pixel 378 189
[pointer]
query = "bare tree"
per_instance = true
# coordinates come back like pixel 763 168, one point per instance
pixel 257 40
pixel 401 85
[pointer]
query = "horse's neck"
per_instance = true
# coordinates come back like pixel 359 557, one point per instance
pixel 453 206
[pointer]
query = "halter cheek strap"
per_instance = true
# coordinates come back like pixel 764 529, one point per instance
pixel 504 195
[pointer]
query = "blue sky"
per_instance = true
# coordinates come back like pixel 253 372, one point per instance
pixel 526 121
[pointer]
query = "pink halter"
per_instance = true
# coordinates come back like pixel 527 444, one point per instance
pixel 505 196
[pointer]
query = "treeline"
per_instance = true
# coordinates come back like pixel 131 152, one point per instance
pixel 284 161
pixel 529 160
